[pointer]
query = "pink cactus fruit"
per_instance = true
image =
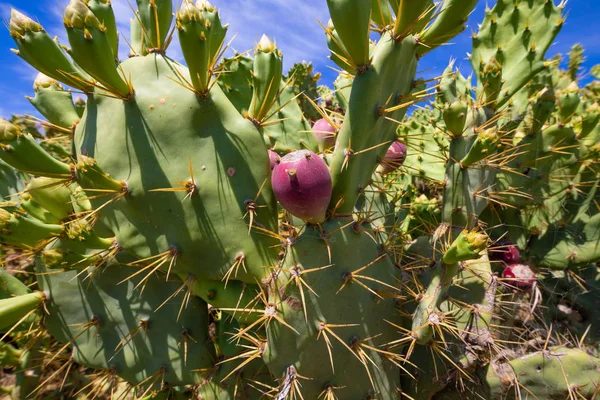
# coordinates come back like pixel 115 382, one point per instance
pixel 324 133
pixel 519 275
pixel 511 255
pixel 273 158
pixel 302 184
pixel 393 159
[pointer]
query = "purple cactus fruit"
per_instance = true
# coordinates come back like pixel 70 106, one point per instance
pixel 324 133
pixel 519 275
pixel 393 159
pixel 511 255
pixel 273 158
pixel 302 184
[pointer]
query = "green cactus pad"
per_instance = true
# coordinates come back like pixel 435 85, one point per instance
pixel 228 160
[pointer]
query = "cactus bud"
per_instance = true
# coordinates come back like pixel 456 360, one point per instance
pixel 204 5
pixel 334 43
pixel 78 15
pixel 52 258
pixel 201 36
pixel 491 79
pixel 13 309
pixel 455 117
pixel 156 17
pixel 45 54
pixel 8 131
pixel 568 101
pixel 21 24
pixel 89 171
pixel 352 20
pixel 268 71
pixel 92 48
pixel 265 45
pixel 5 218
pixel 45 82
pixel 484 145
pixel 50 194
pixel 589 122
pixel 467 246
pixel 80 104
pixel 53 102
pixel 188 12
pixel 542 109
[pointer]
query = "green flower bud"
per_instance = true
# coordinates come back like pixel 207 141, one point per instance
pixel 52 258
pixel 204 5
pixel 467 246
pixel 21 24
pixel 5 218
pixel 45 82
pixel 78 15
pixel 266 45
pixel 8 131
pixel 188 12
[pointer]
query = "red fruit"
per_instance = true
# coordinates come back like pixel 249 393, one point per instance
pixel 393 159
pixel 273 158
pixel 519 275
pixel 324 133
pixel 302 184
pixel 511 255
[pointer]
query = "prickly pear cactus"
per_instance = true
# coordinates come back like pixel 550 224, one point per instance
pixel 224 230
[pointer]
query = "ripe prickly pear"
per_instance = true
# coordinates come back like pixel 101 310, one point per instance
pixel 393 159
pixel 302 184
pixel 324 133
pixel 273 158
pixel 511 255
pixel 519 275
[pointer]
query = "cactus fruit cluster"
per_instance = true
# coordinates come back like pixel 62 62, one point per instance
pixel 223 230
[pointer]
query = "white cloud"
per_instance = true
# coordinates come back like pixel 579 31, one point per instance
pixel 292 23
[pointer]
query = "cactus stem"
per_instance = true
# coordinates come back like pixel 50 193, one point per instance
pixel 19 322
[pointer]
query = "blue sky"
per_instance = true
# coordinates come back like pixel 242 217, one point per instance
pixel 293 23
